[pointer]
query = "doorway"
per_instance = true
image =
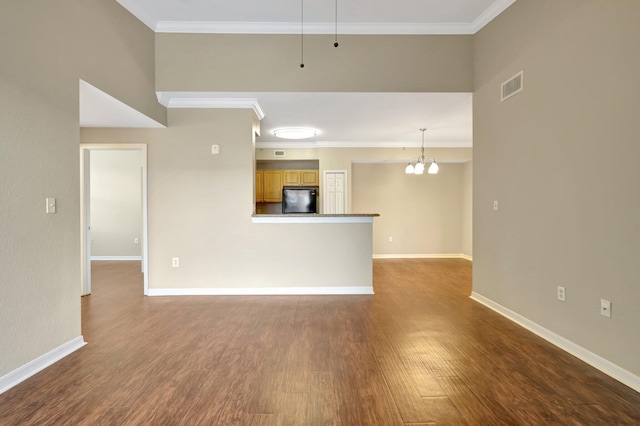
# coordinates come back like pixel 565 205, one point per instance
pixel 85 214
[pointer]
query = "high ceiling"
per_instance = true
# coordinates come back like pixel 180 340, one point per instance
pixel 283 16
pixel 343 119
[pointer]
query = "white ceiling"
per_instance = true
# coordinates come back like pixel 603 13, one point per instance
pixel 284 16
pixel 343 119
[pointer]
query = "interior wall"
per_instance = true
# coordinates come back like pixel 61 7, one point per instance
pixel 46 48
pixel 561 159
pixel 271 63
pixel 422 214
pixel 116 203
pixel 467 209
pixel 200 208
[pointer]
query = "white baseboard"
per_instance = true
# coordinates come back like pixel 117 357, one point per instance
pixel 116 257
pixel 606 366
pixel 260 291
pixel 29 369
pixel 422 256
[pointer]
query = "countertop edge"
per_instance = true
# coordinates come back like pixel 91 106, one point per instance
pixel 313 218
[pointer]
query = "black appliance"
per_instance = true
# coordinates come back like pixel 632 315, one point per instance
pixel 299 199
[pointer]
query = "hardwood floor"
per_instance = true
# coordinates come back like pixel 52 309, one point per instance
pixel 418 352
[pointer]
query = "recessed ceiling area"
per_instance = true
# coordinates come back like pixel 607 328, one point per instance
pixel 283 16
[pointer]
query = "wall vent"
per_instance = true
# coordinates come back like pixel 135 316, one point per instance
pixel 278 153
pixel 512 86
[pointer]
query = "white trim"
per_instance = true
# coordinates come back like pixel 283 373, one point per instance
pixel 579 352
pixel 490 14
pixel 21 374
pixel 422 256
pixel 358 161
pixel 116 257
pixel 207 100
pixel 311 219
pixel 260 291
pixel 364 144
pixel 466 257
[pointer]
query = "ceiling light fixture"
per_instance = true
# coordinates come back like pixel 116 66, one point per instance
pixel 418 168
pixel 295 133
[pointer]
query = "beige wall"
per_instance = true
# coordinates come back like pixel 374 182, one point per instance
pixel 116 202
pixel 423 214
pixel 271 63
pixel 46 48
pixel 467 209
pixel 561 158
pixel 200 209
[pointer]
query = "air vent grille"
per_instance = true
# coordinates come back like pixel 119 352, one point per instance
pixel 279 153
pixel 512 86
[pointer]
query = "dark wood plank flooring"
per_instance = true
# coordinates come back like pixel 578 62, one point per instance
pixel 418 352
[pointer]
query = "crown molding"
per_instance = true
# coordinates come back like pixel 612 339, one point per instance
pixel 365 28
pixel 368 28
pixel 490 14
pixel 207 100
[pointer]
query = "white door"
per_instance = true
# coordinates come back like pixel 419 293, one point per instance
pixel 335 191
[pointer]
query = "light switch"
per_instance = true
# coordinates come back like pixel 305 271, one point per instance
pixel 495 206
pixel 215 149
pixel 51 205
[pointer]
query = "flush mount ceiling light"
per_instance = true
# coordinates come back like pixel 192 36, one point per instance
pixel 295 133
pixel 418 168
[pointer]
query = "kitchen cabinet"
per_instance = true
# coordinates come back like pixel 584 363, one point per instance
pixel 259 186
pixel 300 177
pixel 291 177
pixel 269 183
pixel 309 177
pixel 272 186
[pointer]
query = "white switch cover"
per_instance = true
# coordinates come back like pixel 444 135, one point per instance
pixel 495 206
pixel 605 308
pixel 135 241
pixel 215 149
pixel 51 205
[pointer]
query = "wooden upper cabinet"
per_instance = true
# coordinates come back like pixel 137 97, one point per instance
pixel 291 177
pixel 272 182
pixel 269 183
pixel 259 186
pixel 309 177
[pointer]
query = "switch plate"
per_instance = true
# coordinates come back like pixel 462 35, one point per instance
pixel 215 149
pixel 135 241
pixel 605 308
pixel 51 205
pixel 390 239
pixel 495 206
pixel 561 294
pixel 175 262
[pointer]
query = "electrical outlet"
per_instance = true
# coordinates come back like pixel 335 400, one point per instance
pixel 175 262
pixel 605 308
pixel 561 294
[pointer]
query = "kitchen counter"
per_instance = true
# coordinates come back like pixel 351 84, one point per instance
pixel 314 218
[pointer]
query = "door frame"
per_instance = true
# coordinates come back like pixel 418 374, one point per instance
pixel 85 211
